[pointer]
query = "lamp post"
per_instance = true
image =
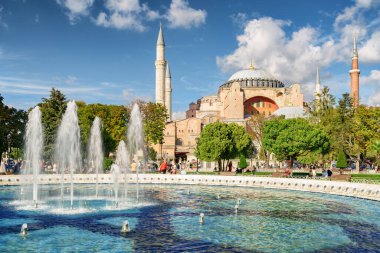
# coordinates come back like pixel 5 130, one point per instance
pixel 9 146
pixel 197 153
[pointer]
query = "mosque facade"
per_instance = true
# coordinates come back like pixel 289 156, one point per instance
pixel 247 92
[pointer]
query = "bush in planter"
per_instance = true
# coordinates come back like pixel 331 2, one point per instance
pixel 107 162
pixel 242 164
pixel 341 162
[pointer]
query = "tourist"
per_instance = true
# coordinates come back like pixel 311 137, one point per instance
pixel 329 173
pixel 314 172
pixel 230 166
pixel 133 166
pixel 163 167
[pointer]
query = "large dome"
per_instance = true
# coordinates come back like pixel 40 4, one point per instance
pixel 251 74
pixel 254 77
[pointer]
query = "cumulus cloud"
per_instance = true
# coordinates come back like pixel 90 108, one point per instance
pixel 76 8
pixel 372 81
pixel 291 59
pixel 178 115
pixel 126 14
pixel 294 57
pixel 181 15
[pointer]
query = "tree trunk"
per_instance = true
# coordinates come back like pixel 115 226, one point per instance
pixel 266 160
pixel 291 163
pixel 358 162
pixel 219 165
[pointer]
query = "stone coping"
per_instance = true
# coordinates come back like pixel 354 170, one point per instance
pixel 359 190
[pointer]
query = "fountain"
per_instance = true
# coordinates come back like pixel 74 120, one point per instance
pixel 95 150
pixel 115 170
pixel 125 228
pixel 24 229
pixel 67 149
pixel 201 218
pixel 135 140
pixel 123 163
pixel 33 148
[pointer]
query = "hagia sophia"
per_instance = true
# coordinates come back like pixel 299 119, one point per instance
pixel 247 92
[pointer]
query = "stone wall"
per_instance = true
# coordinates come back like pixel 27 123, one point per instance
pixel 360 190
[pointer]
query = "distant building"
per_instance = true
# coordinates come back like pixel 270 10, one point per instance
pixel 247 92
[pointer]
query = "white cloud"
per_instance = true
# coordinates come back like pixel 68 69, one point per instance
pixel 3 24
pixel 294 57
pixel 71 80
pixel 291 59
pixel 76 8
pixel 181 15
pixel 370 50
pixel 372 79
pixel 126 14
pixel 178 115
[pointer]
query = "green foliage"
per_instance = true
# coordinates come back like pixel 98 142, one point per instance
pixel 221 141
pixel 152 154
pixel 291 138
pixel 107 163
pixel 243 162
pixel 52 109
pixel 12 122
pixel 114 120
pixel 341 162
pixel 154 117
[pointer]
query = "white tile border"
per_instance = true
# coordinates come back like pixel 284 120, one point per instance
pixel 360 190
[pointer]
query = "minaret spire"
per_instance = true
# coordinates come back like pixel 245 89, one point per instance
pixel 168 91
pixel 317 84
pixel 160 68
pixel 354 74
pixel 355 49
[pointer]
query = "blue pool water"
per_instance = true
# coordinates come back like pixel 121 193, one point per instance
pixel 166 219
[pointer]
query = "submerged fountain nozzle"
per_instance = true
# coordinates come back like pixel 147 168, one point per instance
pixel 238 201
pixel 218 196
pixel 24 229
pixel 201 218
pixel 236 208
pixel 125 228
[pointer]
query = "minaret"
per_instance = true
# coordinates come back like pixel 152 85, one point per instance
pixel 168 92
pixel 317 85
pixel 160 68
pixel 354 74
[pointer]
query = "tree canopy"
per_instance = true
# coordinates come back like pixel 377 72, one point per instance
pixel 221 141
pixel 289 139
pixel 12 123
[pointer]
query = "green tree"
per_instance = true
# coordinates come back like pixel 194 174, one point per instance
pixel 255 128
pixel 290 138
pixel 243 162
pixel 154 117
pixel 221 141
pixel 12 123
pixel 341 160
pixel 375 148
pixel 52 109
pixel 323 103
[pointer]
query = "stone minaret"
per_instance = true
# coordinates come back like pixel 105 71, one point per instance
pixel 160 68
pixel 354 74
pixel 168 92
pixel 317 85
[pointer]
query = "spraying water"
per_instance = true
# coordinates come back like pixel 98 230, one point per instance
pixel 67 149
pixel 95 150
pixel 135 139
pixel 115 170
pixel 122 161
pixel 33 147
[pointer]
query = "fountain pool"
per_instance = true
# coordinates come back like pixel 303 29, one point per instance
pixel 267 220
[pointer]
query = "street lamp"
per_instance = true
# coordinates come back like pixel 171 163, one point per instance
pixel 197 154
pixel 9 145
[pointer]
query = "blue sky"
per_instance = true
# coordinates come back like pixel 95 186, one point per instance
pixel 103 51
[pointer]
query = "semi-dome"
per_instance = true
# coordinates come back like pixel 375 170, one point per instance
pixel 254 77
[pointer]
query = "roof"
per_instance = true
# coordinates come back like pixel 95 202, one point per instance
pixel 291 112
